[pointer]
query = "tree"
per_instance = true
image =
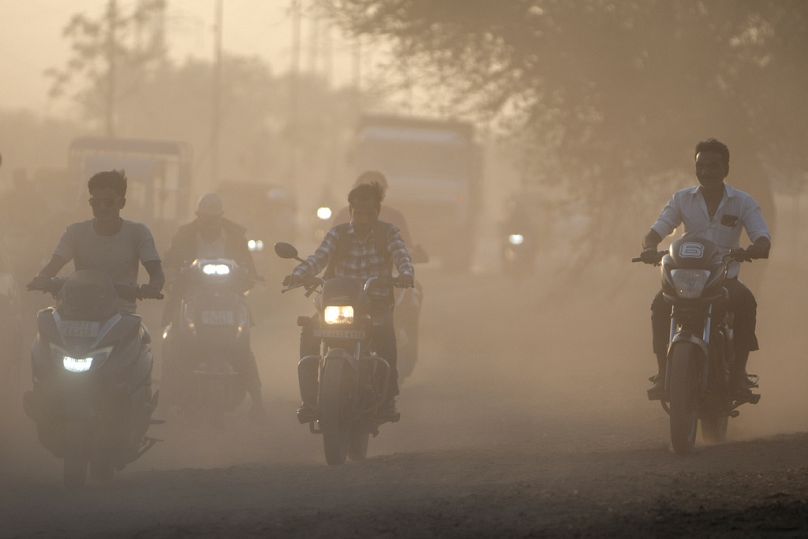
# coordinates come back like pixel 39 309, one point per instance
pixel 110 52
pixel 611 94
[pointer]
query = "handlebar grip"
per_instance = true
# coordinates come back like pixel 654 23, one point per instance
pixel 636 259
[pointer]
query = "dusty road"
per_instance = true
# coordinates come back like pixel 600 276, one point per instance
pixel 525 418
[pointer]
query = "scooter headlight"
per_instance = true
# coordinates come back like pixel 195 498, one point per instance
pixel 80 362
pixel 76 364
pixel 324 213
pixel 338 314
pixel 689 283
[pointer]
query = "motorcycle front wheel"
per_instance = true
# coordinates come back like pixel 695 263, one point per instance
pixel 684 371
pixel 333 404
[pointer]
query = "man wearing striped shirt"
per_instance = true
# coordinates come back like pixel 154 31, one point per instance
pixel 363 248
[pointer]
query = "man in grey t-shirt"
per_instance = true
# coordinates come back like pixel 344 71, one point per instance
pixel 108 243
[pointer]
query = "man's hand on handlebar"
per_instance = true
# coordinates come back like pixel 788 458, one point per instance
pixel 292 280
pixel 404 280
pixel 148 291
pixel 41 283
pixel 651 256
pixel 741 255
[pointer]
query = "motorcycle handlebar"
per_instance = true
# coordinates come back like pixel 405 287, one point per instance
pixel 659 255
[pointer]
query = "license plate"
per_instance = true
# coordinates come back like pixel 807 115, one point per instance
pixel 79 328
pixel 347 334
pixel 218 318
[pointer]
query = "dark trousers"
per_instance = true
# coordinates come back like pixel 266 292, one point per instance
pixel 741 302
pixel 382 337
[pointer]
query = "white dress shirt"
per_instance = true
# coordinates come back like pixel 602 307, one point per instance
pixel 737 210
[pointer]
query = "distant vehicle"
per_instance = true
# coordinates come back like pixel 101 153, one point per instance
pixel 434 169
pixel 159 174
pixel 208 340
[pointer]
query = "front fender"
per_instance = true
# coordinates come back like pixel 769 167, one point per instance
pixel 700 357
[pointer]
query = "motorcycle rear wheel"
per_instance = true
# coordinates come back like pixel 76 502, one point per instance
pixel 332 405
pixel 684 372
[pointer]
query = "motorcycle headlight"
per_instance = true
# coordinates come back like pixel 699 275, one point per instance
pixel 324 213
pixel 516 239
pixel 216 269
pixel 77 364
pixel 689 283
pixel 255 246
pixel 338 314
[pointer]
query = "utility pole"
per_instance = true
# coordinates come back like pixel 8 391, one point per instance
pixel 294 88
pixel 111 50
pixel 216 120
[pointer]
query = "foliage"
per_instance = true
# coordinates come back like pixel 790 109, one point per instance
pixel 611 93
pixel 109 55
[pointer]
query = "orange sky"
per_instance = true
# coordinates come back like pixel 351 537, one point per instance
pixel 31 39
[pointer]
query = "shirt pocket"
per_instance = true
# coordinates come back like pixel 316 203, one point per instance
pixel 729 230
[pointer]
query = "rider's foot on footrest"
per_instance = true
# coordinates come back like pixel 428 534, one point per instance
pixel 306 414
pixel 657 391
pixel 388 413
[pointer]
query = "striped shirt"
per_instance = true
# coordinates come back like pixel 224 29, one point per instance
pixel 362 259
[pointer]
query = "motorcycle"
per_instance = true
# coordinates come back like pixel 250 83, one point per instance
pixel 701 347
pixel 352 381
pixel 209 339
pixel 92 398
pixel 517 254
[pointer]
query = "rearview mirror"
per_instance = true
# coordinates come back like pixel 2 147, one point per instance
pixel 285 250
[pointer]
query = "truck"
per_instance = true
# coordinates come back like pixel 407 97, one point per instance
pixel 434 171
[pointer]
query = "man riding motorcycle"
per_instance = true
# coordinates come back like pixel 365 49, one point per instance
pixel 108 243
pixel 363 248
pixel 212 236
pixel 716 212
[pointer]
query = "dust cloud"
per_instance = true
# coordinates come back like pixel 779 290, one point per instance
pixel 550 359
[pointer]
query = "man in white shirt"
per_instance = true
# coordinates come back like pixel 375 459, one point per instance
pixel 716 212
